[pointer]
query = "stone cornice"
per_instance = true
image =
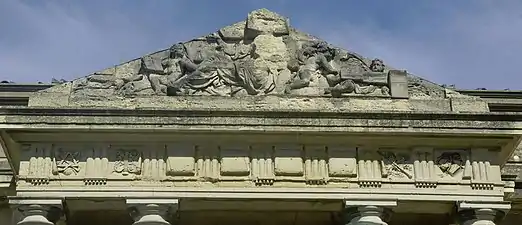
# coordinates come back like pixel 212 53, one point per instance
pixel 266 113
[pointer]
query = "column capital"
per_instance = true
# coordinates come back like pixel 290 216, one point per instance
pixel 151 211
pixel 481 213
pixel 37 211
pixel 359 212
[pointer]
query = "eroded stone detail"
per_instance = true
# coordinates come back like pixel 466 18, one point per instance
pixel 128 161
pixel 235 161
pixel 316 168
pixel 342 163
pixel 186 164
pixel 208 166
pixel 263 172
pixel 453 165
pixel 66 162
pixel 259 56
pixel 370 168
pixel 96 166
pixel 424 168
pixel 38 164
pixel 181 161
pixel 289 161
pixel 397 164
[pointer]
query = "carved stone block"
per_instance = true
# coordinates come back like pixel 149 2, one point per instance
pixel 97 165
pixel 288 161
pixel 235 161
pixel 208 162
pixel 151 64
pixel 181 160
pixel 370 168
pixel 342 161
pixel 66 160
pixel 424 167
pixel 263 165
pixel 398 81
pixel 316 168
pixel 153 165
pixel 265 22
pixel 453 164
pixel 485 172
pixel 397 164
pixel 36 165
pixel 126 160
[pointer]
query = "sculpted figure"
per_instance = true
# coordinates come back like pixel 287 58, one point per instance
pixel 178 64
pixel 315 58
pixel 211 73
pixel 365 83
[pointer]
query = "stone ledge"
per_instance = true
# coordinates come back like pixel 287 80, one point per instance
pixel 262 193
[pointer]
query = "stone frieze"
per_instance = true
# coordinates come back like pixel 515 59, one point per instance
pixel 186 164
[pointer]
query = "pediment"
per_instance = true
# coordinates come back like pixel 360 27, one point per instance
pixel 260 56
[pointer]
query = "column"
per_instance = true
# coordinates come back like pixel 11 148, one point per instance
pixel 152 211
pixel 481 213
pixel 37 211
pixel 367 212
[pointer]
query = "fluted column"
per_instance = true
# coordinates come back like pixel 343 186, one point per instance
pixel 367 212
pixel 481 213
pixel 151 211
pixel 37 212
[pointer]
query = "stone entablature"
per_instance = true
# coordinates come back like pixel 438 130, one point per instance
pixel 244 165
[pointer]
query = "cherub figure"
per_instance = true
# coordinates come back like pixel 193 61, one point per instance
pixel 315 57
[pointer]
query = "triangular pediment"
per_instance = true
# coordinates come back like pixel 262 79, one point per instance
pixel 262 55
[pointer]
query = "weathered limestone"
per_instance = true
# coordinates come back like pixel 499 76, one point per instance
pixel 481 213
pixel 38 211
pixel 151 211
pixel 368 212
pixel 257 117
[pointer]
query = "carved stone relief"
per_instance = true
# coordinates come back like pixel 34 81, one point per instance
pixel 397 164
pixel 66 162
pixel 453 164
pixel 127 161
pixel 258 165
pixel 248 58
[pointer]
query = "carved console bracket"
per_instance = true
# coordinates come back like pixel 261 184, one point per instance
pixel 152 211
pixel 37 211
pixel 481 213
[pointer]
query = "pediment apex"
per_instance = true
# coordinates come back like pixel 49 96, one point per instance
pixel 262 55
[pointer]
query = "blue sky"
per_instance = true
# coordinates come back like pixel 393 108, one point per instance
pixel 470 43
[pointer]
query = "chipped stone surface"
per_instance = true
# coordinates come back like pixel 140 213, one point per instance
pixel 233 32
pixel 263 21
pixel 227 63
